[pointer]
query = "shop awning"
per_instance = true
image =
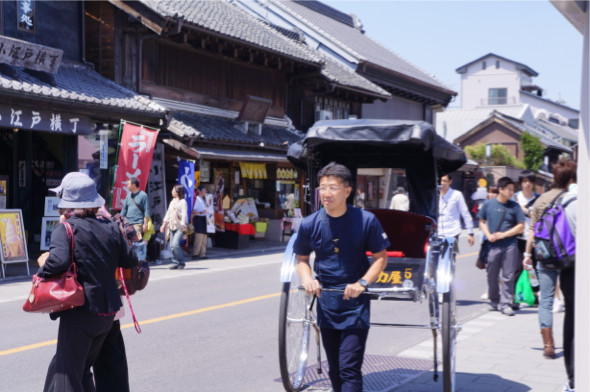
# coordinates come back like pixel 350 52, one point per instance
pixel 203 152
pixel 181 147
pixel 239 155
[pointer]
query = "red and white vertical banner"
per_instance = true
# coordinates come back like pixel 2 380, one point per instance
pixel 135 160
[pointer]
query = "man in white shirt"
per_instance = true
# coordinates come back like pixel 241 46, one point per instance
pixel 400 201
pixel 451 207
pixel 200 224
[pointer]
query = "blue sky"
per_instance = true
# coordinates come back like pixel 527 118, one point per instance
pixel 440 36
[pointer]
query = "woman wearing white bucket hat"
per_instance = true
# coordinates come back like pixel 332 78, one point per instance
pixel 99 250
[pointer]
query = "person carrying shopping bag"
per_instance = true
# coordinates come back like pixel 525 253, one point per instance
pixel 175 225
pixel 99 250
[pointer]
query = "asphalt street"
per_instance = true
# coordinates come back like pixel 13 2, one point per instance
pixel 213 327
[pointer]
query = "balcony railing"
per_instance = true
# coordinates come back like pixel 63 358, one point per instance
pixel 498 101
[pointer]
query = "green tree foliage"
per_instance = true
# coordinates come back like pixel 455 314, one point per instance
pixel 501 155
pixel 533 151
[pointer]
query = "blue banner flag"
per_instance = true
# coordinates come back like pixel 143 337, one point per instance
pixel 186 178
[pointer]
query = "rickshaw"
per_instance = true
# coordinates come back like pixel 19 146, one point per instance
pixel 421 265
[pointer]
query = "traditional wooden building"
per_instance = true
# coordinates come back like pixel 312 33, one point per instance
pixel 54 108
pixel 236 87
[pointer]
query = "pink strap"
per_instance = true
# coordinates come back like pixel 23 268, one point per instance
pixel 135 322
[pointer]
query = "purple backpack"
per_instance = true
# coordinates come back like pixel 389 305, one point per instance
pixel 554 244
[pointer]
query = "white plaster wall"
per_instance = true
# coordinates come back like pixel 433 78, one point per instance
pixel 537 105
pixel 476 82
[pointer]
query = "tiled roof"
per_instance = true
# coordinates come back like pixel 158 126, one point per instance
pixel 523 127
pixel 77 83
pixel 559 130
pixel 222 17
pixel 337 72
pixel 213 128
pixel 338 27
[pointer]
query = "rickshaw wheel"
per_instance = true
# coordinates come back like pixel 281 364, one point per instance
pixel 294 334
pixel 449 339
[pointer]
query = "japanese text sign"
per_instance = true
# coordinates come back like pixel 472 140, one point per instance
pixel 28 55
pixel 44 120
pixel 135 160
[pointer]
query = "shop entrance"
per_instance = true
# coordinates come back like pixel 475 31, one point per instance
pixel 34 162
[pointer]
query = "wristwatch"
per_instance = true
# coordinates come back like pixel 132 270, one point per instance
pixel 525 254
pixel 363 283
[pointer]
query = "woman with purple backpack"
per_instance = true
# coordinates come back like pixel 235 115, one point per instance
pixel 564 179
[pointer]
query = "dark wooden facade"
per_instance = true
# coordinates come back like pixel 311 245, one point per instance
pixel 58 24
pixel 194 66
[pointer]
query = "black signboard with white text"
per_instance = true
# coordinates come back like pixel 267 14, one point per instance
pixel 25 54
pixel 44 120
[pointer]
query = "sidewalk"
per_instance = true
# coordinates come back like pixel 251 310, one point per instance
pixel 495 353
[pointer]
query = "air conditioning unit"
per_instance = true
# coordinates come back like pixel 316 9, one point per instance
pixel 325 115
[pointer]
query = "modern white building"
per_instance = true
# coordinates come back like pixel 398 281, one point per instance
pixel 495 83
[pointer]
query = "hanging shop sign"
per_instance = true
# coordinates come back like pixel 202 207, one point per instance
pixel 286 174
pixel 253 171
pixel 44 120
pixel 135 160
pixel 28 55
pixel 104 149
pixel 156 186
pixel 205 171
pixel 22 174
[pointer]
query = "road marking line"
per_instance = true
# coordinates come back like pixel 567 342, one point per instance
pixel 468 254
pixel 154 320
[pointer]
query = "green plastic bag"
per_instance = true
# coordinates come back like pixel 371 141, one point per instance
pixel 524 291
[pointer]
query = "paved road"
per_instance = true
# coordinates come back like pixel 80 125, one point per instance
pixel 212 327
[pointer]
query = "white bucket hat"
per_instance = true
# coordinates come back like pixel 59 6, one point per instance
pixel 80 192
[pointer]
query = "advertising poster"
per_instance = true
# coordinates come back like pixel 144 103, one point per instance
pixel 51 208
pixel 46 230
pixel 135 160
pixel 12 236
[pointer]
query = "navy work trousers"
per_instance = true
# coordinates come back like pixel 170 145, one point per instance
pixel 345 350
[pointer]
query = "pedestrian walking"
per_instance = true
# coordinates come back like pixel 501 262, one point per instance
pixel 340 235
pixel 564 175
pixel 501 221
pixel 491 194
pixel 451 208
pixel 99 250
pixel 200 224
pixel 136 207
pixel 175 225
pixel 526 198
pixel 400 201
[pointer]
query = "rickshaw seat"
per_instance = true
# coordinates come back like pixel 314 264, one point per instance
pixel 407 232
pixel 390 254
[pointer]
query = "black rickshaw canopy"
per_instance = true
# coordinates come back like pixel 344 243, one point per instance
pixel 410 145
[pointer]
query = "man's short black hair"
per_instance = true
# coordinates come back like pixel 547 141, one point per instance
pixel 527 175
pixel 336 170
pixel 504 182
pixel 448 176
pixel 134 181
